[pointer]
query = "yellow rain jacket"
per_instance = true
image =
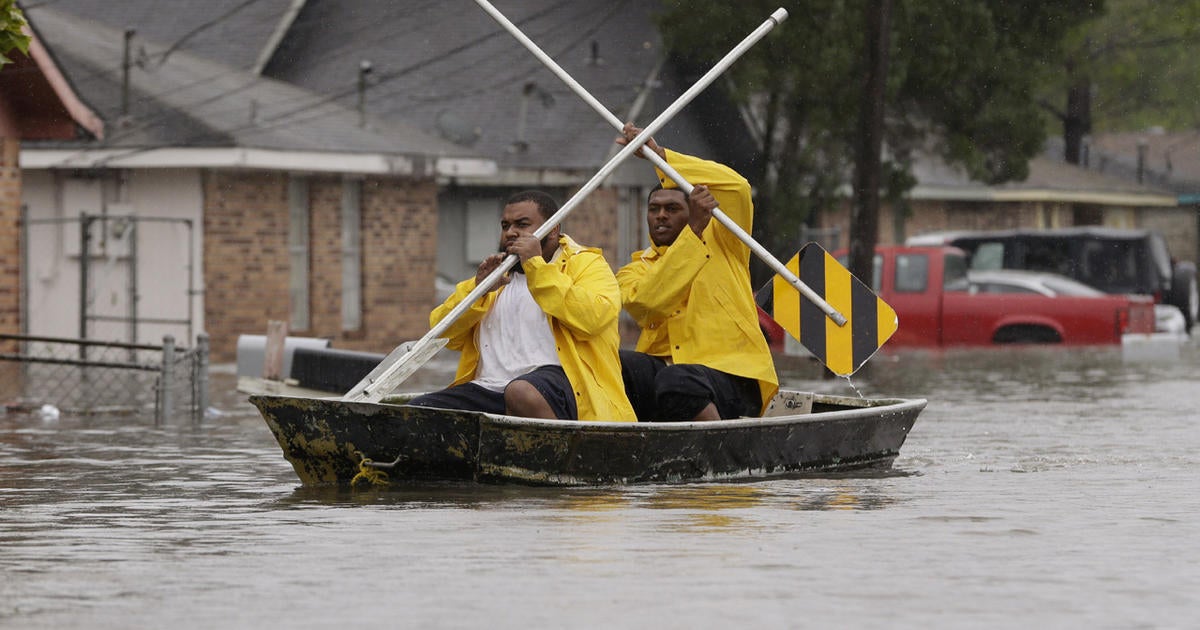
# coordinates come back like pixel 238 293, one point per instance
pixel 581 299
pixel 692 299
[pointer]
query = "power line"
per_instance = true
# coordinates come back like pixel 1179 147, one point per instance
pixel 297 115
pixel 288 117
pixel 530 68
pixel 203 27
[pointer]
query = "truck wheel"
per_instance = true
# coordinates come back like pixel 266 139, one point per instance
pixel 1184 293
pixel 1026 333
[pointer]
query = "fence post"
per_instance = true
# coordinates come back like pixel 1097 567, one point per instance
pixel 200 378
pixel 164 381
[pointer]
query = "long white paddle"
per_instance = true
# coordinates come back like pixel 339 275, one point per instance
pixel 382 381
pixel 778 267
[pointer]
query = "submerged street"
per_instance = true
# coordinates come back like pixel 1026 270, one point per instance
pixel 1043 487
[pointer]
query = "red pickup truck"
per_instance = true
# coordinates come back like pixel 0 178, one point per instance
pixel 939 304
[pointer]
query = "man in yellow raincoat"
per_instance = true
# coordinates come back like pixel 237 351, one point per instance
pixel 701 354
pixel 543 343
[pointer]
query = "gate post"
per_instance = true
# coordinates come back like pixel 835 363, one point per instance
pixel 164 381
pixel 200 378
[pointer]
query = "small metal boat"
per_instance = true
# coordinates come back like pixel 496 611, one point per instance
pixel 331 441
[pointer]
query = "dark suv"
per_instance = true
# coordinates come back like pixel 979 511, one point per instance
pixel 1112 260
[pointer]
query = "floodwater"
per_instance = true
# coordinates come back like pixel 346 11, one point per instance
pixel 1042 488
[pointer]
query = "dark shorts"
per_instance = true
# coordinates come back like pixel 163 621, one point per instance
pixel 676 393
pixel 550 381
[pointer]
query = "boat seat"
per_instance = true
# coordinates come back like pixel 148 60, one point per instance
pixel 786 403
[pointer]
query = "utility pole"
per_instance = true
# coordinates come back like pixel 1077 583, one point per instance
pixel 864 214
pixel 126 66
pixel 364 69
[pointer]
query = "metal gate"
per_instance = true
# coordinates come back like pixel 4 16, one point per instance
pixel 122 283
pixel 81 376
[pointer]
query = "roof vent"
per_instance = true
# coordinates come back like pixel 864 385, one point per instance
pixel 457 130
pixel 530 90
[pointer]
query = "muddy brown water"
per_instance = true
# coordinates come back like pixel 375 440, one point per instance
pixel 1040 488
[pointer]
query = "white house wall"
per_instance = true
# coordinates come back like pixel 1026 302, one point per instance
pixel 162 253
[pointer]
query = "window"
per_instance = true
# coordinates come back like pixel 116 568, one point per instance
pixel 988 256
pixel 483 230
pixel 954 278
pixel 912 273
pixel 298 252
pixel 351 254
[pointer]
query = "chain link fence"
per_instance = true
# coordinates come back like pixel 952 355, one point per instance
pixel 86 376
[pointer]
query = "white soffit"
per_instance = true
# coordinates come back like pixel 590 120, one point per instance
pixel 265 159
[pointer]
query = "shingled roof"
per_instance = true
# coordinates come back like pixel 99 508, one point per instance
pixel 444 68
pixel 178 99
pixel 450 69
pixel 237 33
pixel 1170 160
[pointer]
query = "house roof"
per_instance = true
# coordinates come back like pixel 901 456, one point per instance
pixel 185 103
pixel 450 69
pixel 1172 160
pixel 450 80
pixel 38 102
pixel 233 32
pixel 1049 180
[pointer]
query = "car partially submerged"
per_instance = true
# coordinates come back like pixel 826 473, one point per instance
pixel 1115 261
pixel 1020 281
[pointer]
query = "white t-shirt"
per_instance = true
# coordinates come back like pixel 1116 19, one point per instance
pixel 513 338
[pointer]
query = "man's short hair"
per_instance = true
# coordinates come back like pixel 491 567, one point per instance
pixel 546 204
pixel 659 187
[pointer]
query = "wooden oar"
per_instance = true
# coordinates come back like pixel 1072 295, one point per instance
pixel 387 378
pixel 778 267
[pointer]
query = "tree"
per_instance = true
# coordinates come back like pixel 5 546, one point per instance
pixel 864 214
pixel 12 35
pixel 960 84
pixel 1129 67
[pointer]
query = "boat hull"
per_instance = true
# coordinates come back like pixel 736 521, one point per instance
pixel 326 440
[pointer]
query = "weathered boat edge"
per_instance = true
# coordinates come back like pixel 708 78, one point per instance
pixel 327 440
pixel 549 453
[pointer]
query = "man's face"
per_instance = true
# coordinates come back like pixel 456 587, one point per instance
pixel 523 219
pixel 666 215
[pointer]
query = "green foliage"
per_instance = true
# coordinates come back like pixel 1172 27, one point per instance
pixel 961 84
pixel 1138 60
pixel 11 35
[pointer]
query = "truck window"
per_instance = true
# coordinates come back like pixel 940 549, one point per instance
pixel 912 273
pixel 1049 254
pixel 955 276
pixel 1112 264
pixel 1162 259
pixel 877 273
pixel 988 256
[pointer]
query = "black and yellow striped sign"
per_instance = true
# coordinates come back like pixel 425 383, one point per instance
pixel 869 320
